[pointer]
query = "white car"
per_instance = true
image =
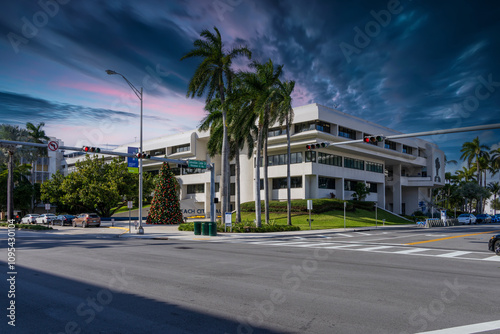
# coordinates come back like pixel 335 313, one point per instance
pixel 30 218
pixel 45 218
pixel 467 218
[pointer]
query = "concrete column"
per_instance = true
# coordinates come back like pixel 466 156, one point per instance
pixel 396 189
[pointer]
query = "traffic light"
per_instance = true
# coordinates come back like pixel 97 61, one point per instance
pixel 373 139
pixel 91 149
pixel 316 146
pixel 143 155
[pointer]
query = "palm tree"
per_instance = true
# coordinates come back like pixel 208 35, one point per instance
pixel 13 133
pixel 472 151
pixel 259 86
pixel 465 174
pixel 495 161
pixel 285 114
pixel 494 187
pixel 214 77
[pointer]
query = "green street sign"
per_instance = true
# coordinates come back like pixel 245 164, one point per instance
pixel 133 170
pixel 197 164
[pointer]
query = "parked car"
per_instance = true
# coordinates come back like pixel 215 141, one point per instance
pixel 63 220
pixel 30 218
pixel 483 218
pixel 467 218
pixel 495 218
pixel 494 244
pixel 45 218
pixel 87 219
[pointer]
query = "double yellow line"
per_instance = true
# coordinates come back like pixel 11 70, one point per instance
pixel 456 236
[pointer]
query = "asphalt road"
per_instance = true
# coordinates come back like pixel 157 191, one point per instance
pixel 377 281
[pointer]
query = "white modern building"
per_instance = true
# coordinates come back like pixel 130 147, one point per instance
pixel 400 173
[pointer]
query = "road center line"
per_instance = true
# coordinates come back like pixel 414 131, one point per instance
pixel 447 238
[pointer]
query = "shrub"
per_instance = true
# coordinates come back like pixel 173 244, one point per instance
pixel 29 226
pixel 245 228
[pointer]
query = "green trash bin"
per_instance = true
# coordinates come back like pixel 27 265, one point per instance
pixel 197 228
pixel 212 229
pixel 204 228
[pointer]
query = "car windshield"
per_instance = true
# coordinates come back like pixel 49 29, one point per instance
pixel 93 216
pixel 463 215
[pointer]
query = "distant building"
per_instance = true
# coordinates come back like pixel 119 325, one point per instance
pixel 400 173
pixel 43 168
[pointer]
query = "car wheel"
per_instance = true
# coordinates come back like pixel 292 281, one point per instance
pixel 497 247
pixel 98 225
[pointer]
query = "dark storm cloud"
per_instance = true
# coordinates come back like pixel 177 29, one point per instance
pixel 19 109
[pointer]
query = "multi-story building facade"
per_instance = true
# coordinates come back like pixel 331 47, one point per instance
pixel 400 173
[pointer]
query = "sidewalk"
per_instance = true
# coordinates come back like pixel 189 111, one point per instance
pixel 172 232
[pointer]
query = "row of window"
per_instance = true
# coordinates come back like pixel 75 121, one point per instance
pixel 295 182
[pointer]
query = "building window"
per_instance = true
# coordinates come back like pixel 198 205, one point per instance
pixel 281 159
pixel 347 133
pixel 195 188
pixel 232 189
pixel 276 132
pixel 373 187
pixel 310 156
pixel 326 182
pixel 156 152
pixel 280 183
pixel 354 163
pixel 181 148
pixel 232 169
pixel 350 185
pixel 390 145
pixel 407 149
pixel 374 167
pixel 329 159
pixel 316 125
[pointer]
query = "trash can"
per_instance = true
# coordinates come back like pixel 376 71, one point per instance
pixel 212 229
pixel 204 228
pixel 197 228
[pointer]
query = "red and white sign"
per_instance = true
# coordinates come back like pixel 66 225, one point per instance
pixel 53 145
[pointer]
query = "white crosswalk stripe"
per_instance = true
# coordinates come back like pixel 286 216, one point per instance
pixel 387 249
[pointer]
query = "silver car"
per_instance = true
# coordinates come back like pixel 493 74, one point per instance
pixel 45 218
pixel 467 218
pixel 30 218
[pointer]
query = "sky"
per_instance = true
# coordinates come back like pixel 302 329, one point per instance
pixel 409 65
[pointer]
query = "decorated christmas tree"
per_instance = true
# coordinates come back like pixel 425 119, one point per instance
pixel 165 207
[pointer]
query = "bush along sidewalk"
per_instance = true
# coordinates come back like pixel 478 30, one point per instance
pixel 246 227
pixel 28 226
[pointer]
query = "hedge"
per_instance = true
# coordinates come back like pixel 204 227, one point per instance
pixel 320 205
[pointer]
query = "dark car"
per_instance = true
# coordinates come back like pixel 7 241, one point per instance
pixel 483 218
pixel 87 219
pixel 495 218
pixel 63 220
pixel 494 244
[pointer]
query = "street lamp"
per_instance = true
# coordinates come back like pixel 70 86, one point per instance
pixel 138 93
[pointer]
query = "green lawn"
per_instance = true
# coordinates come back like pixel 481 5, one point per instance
pixel 331 219
pixel 125 209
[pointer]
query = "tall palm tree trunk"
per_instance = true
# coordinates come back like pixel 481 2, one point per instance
pixel 258 217
pixel 10 186
pixel 237 186
pixel 288 178
pixel 266 181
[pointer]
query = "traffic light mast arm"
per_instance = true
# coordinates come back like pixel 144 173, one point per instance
pixel 428 133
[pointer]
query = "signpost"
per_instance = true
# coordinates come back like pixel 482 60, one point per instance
pixel 228 221
pixel 47 207
pixel 345 204
pixel 197 164
pixel 310 207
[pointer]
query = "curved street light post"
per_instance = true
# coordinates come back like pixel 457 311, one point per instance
pixel 138 93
